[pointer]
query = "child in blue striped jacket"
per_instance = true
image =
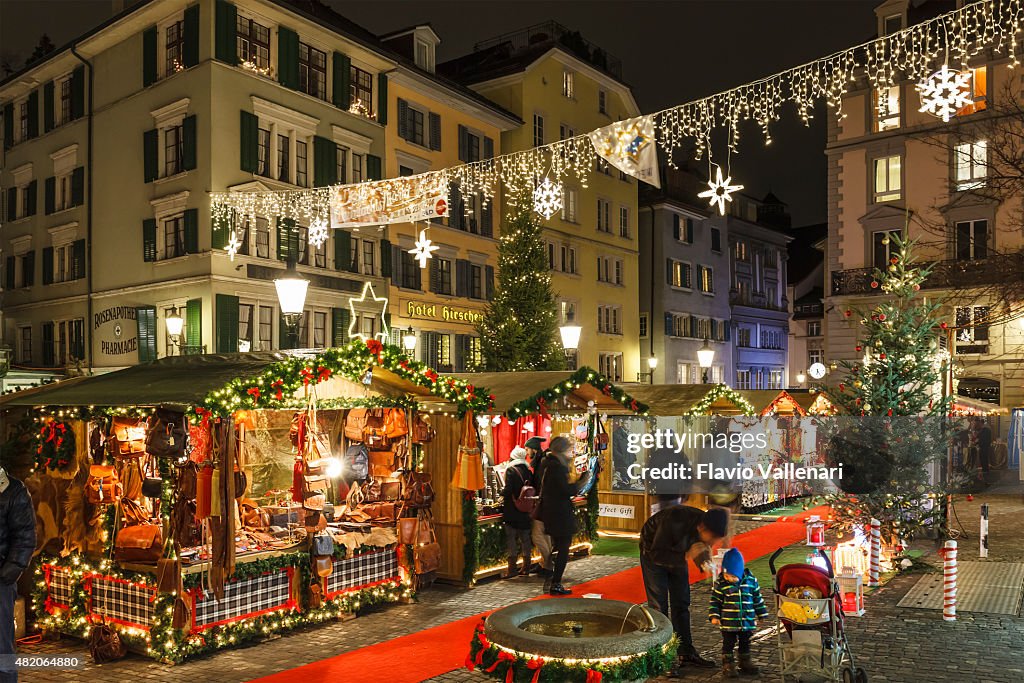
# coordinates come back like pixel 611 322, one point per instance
pixel 736 607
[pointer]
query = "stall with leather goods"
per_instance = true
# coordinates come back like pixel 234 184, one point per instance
pixel 225 498
pixel 577 404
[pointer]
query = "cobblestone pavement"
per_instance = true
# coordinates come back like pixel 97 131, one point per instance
pixel 895 645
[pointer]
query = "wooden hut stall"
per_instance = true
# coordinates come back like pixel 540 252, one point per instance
pixel 525 404
pixel 815 402
pixel 238 495
pixel 625 503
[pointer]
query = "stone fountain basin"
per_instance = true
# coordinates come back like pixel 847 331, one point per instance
pixel 503 628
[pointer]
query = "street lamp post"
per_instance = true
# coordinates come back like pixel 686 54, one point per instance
pixel 801 378
pixel 652 364
pixel 570 342
pixel 705 357
pixel 175 324
pixel 409 341
pixel 291 295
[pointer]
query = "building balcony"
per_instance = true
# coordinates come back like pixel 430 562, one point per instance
pixel 553 32
pixel 952 274
pixel 753 300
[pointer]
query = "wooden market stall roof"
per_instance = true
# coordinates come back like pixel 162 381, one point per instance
pixel 684 399
pixel 763 399
pixel 814 402
pixel 518 392
pixel 963 405
pixel 184 380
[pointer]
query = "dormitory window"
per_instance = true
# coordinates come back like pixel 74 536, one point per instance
pixel 175 46
pixel 362 89
pixel 887 108
pixel 971 164
pixel 253 41
pixel 887 179
pixel 312 71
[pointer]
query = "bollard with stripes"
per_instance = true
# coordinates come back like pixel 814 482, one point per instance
pixel 875 558
pixel 983 535
pixel 949 581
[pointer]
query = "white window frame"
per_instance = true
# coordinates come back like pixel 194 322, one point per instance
pixel 161 45
pixel 355 147
pixel 59 119
pixel 569 84
pixel 165 118
pixel 294 125
pixel 893 172
pixel 267 69
pixel 23 176
pixel 625 226
pixel 610 365
pixel 538 129
pixel 64 162
pixel 604 215
pixel 427 62
pixel 813 328
pixel 570 204
pixel 166 208
pixel 567 310
pixel 62 239
pixel 701 269
pixel 887 108
pixel 744 378
pixel 971 164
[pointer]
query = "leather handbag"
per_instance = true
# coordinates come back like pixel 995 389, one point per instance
pixel 373 432
pixel 419 490
pixel 187 480
pixel 382 463
pixel 103 486
pixel 324 565
pixel 426 556
pixel 314 520
pixel 318 466
pixel 132 513
pixel 371 491
pixel 415 530
pixel 395 425
pixel 127 437
pixel 323 544
pixel 390 490
pixel 167 435
pixel 152 487
pixel 315 483
pixel 139 543
pixel 422 432
pixel 355 422
pixel 105 645
pixel 314 502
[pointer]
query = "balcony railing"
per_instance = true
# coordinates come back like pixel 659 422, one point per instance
pixel 552 31
pixel 753 300
pixel 953 274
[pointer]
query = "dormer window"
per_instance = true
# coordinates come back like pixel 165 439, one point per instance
pixel 424 55
pixel 892 24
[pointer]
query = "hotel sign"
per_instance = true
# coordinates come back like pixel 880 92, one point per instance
pixel 424 310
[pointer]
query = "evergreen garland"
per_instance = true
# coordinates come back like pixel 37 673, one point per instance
pixel 543 401
pixel 519 330
pixel 55 445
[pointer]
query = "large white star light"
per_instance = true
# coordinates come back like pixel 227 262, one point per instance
pixel 719 190
pixel 318 233
pixel 384 334
pixel 547 198
pixel 233 245
pixel 422 250
pixel 945 92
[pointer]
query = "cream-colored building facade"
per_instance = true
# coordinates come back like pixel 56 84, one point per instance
pixel 886 174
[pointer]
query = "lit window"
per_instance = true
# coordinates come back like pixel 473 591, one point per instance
pixel 978 90
pixel 971 164
pixel 253 42
pixel 707 279
pixel 887 108
pixel 888 183
pixel 175 46
pixel 361 84
pixel 680 274
pixel 538 130
pixel 568 84
pixel 570 198
pixel 883 248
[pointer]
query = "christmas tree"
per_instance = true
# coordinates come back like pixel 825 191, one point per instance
pixel 894 392
pixel 520 326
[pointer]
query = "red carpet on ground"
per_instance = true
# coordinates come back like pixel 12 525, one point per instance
pixel 438 650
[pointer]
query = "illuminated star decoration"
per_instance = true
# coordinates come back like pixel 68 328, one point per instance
pixel 232 246
pixel 385 334
pixel 422 250
pixel 719 191
pixel 318 233
pixel 547 198
pixel 945 92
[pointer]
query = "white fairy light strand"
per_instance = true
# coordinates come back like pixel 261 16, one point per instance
pixel 909 54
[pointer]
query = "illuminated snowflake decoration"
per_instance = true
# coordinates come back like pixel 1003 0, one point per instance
pixel 945 92
pixel 422 250
pixel 233 245
pixel 719 191
pixel 318 233
pixel 547 198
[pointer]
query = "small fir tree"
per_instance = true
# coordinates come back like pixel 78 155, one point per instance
pixel 899 430
pixel 519 330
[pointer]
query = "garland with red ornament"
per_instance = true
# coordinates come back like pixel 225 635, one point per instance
pixel 277 385
pixel 513 666
pixel 542 401
pixel 55 446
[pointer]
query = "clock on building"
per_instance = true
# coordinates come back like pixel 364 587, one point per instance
pixel 816 371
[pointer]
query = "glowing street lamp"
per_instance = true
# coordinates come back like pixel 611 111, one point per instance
pixel 291 296
pixel 705 357
pixel 570 341
pixel 409 341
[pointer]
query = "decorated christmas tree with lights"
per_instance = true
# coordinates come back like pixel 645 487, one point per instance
pixel 898 432
pixel 520 326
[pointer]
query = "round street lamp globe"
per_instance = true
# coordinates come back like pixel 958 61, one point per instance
pixel 570 336
pixel 174 322
pixel 291 292
pixel 705 355
pixel 409 340
pixel 652 362
pixel 801 378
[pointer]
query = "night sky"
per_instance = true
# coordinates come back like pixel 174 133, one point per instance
pixel 672 52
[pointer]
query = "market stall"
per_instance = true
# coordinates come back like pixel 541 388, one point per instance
pixel 790 438
pixel 201 501
pixel 526 404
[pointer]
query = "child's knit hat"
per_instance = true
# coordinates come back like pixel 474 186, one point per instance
pixel 732 563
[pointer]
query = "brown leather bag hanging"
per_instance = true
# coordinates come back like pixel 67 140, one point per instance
pixel 132 513
pixel 127 437
pixel 355 423
pixel 427 556
pixel 187 477
pixel 105 645
pixel 395 425
pixel 373 432
pixel 419 490
pixel 422 432
pixel 139 543
pixel 390 490
pixel 103 486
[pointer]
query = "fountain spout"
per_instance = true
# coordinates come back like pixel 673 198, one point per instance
pixel 651 624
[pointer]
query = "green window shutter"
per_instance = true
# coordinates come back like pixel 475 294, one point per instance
pixel 78 261
pixel 190 52
pixel 48 356
pixel 385 258
pixel 374 168
pixel 382 99
pixel 435 131
pixel 78 93
pixel 188 140
pixel 47 265
pixel 9 273
pixel 32 198
pixel 50 195
pixel 250 140
pixel 220 229
pixel 342 95
pixel 191 231
pixel 226 48
pixel 343 251
pixel 227 323
pixel 8 126
pixel 12 203
pixel 149 57
pixel 340 319
pixel 463 143
pixel 488 148
pixel 149 239
pixel 78 186
pixel 325 162
pixel 145 317
pixel 288 58
pixel 30 268
pixel 33 114
pixel 151 155
pixel 287 239
pixel 403 119
pixel 194 322
pixel 48 107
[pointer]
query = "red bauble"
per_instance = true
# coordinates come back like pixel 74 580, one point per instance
pixel 881 356
pixel 848 313
pixel 874 284
pixel 942 325
pixel 881 316
pixel 858 347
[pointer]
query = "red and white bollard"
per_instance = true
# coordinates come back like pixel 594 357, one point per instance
pixel 949 581
pixel 983 531
pixel 875 558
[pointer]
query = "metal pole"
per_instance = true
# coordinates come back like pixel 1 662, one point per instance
pixel 983 533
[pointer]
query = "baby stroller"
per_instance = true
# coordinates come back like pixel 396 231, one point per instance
pixel 811 634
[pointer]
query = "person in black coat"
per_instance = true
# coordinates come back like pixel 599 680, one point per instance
pixel 17 543
pixel 537 456
pixel 557 510
pixel 517 522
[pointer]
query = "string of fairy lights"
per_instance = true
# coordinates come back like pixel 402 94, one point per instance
pixel 935 53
